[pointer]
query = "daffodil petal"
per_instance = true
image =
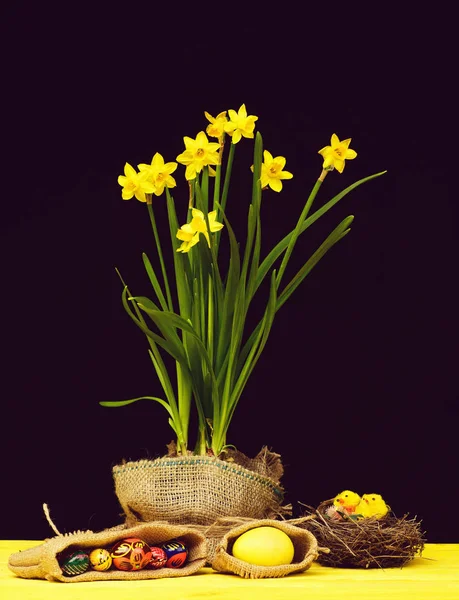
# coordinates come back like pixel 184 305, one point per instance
pixel 267 156
pixel 170 167
pixel 197 213
pixel 275 184
pixel 190 172
pixel 350 154
pixel 236 136
pixel 339 165
pixel 334 140
pixel 285 175
pixel 328 161
pixel 280 160
pixel 189 142
pixel 129 170
pixel 201 139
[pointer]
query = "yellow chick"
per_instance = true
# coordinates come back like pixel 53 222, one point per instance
pixel 346 501
pixel 372 505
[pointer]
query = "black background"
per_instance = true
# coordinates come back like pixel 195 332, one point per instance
pixel 357 387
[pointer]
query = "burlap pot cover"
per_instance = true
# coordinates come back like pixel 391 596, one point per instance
pixel 41 562
pixel 194 489
pixel 306 551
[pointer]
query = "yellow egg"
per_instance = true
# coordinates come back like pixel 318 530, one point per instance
pixel 264 546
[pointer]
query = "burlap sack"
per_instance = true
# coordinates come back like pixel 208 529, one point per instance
pixel 41 562
pixel 306 551
pixel 195 489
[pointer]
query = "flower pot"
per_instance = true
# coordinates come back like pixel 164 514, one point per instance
pixel 194 490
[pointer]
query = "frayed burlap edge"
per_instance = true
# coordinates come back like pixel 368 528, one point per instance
pixel 306 551
pixel 41 562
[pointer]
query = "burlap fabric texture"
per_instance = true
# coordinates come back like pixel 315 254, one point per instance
pixel 306 551
pixel 195 490
pixel 42 562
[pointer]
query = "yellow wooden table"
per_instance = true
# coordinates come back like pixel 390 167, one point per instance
pixel 434 576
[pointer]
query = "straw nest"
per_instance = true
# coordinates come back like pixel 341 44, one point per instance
pixel 368 543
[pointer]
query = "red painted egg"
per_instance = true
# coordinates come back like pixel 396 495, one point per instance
pixel 158 558
pixel 131 554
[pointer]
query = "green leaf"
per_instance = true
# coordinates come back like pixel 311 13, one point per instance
pixel 132 400
pixel 178 322
pixel 171 348
pixel 258 347
pixel 180 261
pixel 154 282
pixel 283 244
pixel 337 234
pixel 229 299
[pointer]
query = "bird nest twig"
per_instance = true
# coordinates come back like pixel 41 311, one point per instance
pixel 368 543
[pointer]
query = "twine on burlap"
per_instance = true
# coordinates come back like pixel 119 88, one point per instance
pixel 306 551
pixel 50 521
pixel 42 562
pixel 195 489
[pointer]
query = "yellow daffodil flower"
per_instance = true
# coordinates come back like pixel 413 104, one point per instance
pixel 188 237
pixel 159 173
pixel 272 171
pixel 199 153
pixel 335 155
pixel 240 124
pixel 189 233
pixel 135 184
pixel 216 128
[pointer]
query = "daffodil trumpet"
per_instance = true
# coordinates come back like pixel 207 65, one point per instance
pixel 201 320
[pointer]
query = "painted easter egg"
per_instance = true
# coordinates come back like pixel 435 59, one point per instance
pixel 131 554
pixel 75 563
pixel 264 546
pixel 176 553
pixel 100 559
pixel 158 558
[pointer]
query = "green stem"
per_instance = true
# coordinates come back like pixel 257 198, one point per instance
pixel 217 184
pixel 297 231
pixel 201 445
pixel 229 166
pixel 160 254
